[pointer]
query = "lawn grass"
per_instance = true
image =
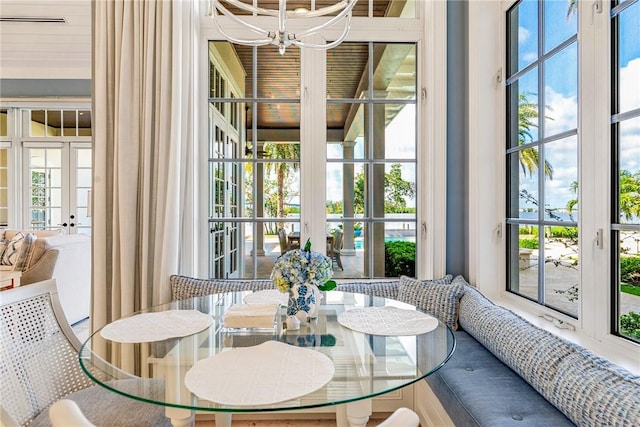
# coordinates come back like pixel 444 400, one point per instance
pixel 633 290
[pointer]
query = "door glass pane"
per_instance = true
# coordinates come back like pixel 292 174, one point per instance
pixel 83 184
pixel 272 70
pixel 346 64
pixel 254 156
pixel 280 189
pixel 382 137
pixel 399 134
pixel 48 203
pixel 346 195
pixel 394 76
pixel 4 188
pixel 84 158
pixel 55 177
pixel 53 158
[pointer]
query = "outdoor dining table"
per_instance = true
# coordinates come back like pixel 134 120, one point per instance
pixel 365 364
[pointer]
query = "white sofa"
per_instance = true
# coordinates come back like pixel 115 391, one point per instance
pixel 66 258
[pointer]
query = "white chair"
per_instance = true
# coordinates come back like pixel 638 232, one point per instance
pixel 402 417
pixel 39 366
pixel 67 413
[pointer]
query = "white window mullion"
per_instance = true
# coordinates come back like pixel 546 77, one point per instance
pixel 594 164
pixel 432 147
pixel 313 147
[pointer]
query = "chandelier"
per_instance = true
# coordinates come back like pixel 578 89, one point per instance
pixel 282 37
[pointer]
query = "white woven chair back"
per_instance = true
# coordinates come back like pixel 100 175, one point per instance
pixel 38 351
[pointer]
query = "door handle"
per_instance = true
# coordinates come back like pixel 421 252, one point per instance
pixel 64 224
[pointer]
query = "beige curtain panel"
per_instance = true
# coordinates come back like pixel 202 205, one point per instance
pixel 144 156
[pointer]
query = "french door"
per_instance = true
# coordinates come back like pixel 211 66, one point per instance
pixel 224 239
pixel 56 186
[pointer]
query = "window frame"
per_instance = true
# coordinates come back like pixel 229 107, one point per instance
pixel 541 143
pixel 487 138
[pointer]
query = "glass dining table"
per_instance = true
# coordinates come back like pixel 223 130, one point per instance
pixel 365 364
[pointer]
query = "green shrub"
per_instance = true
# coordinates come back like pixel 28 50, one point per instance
pixel 564 232
pixel 630 325
pixel 399 258
pixel 529 243
pixel 630 270
pixel 528 230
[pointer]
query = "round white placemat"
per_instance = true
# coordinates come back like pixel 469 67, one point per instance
pixel 387 321
pixel 264 374
pixel 149 327
pixel 267 296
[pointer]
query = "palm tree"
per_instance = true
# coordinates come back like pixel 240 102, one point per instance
pixel 282 170
pixel 572 9
pixel 529 157
pixel 571 204
pixel 629 194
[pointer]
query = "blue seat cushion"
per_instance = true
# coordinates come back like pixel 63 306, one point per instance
pixel 477 389
pixel 105 408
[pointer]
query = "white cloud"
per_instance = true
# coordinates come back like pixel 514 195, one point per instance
pixel 561 113
pixel 630 86
pixel 523 34
pixel 529 57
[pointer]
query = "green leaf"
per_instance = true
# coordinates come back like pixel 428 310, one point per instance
pixel 307 246
pixel 329 285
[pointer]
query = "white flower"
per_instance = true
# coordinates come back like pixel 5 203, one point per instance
pixel 300 266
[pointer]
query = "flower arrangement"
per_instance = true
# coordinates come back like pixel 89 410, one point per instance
pixel 299 266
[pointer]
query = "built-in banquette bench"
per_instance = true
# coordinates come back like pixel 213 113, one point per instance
pixel 504 371
pixel 507 372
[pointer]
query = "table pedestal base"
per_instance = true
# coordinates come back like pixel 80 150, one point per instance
pixel 180 417
pixel 223 419
pixel 353 414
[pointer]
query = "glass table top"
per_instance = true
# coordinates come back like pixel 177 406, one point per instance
pixel 365 365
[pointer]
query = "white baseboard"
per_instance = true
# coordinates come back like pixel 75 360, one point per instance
pixel 429 408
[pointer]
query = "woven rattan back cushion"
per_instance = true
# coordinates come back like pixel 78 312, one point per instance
pixel 183 287
pixel 38 365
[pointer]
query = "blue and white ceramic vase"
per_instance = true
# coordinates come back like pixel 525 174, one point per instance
pixel 304 302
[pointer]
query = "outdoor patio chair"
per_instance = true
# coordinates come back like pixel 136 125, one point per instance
pixel 284 243
pixel 335 251
pixel 39 365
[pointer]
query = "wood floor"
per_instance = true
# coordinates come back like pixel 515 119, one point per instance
pixel 283 423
